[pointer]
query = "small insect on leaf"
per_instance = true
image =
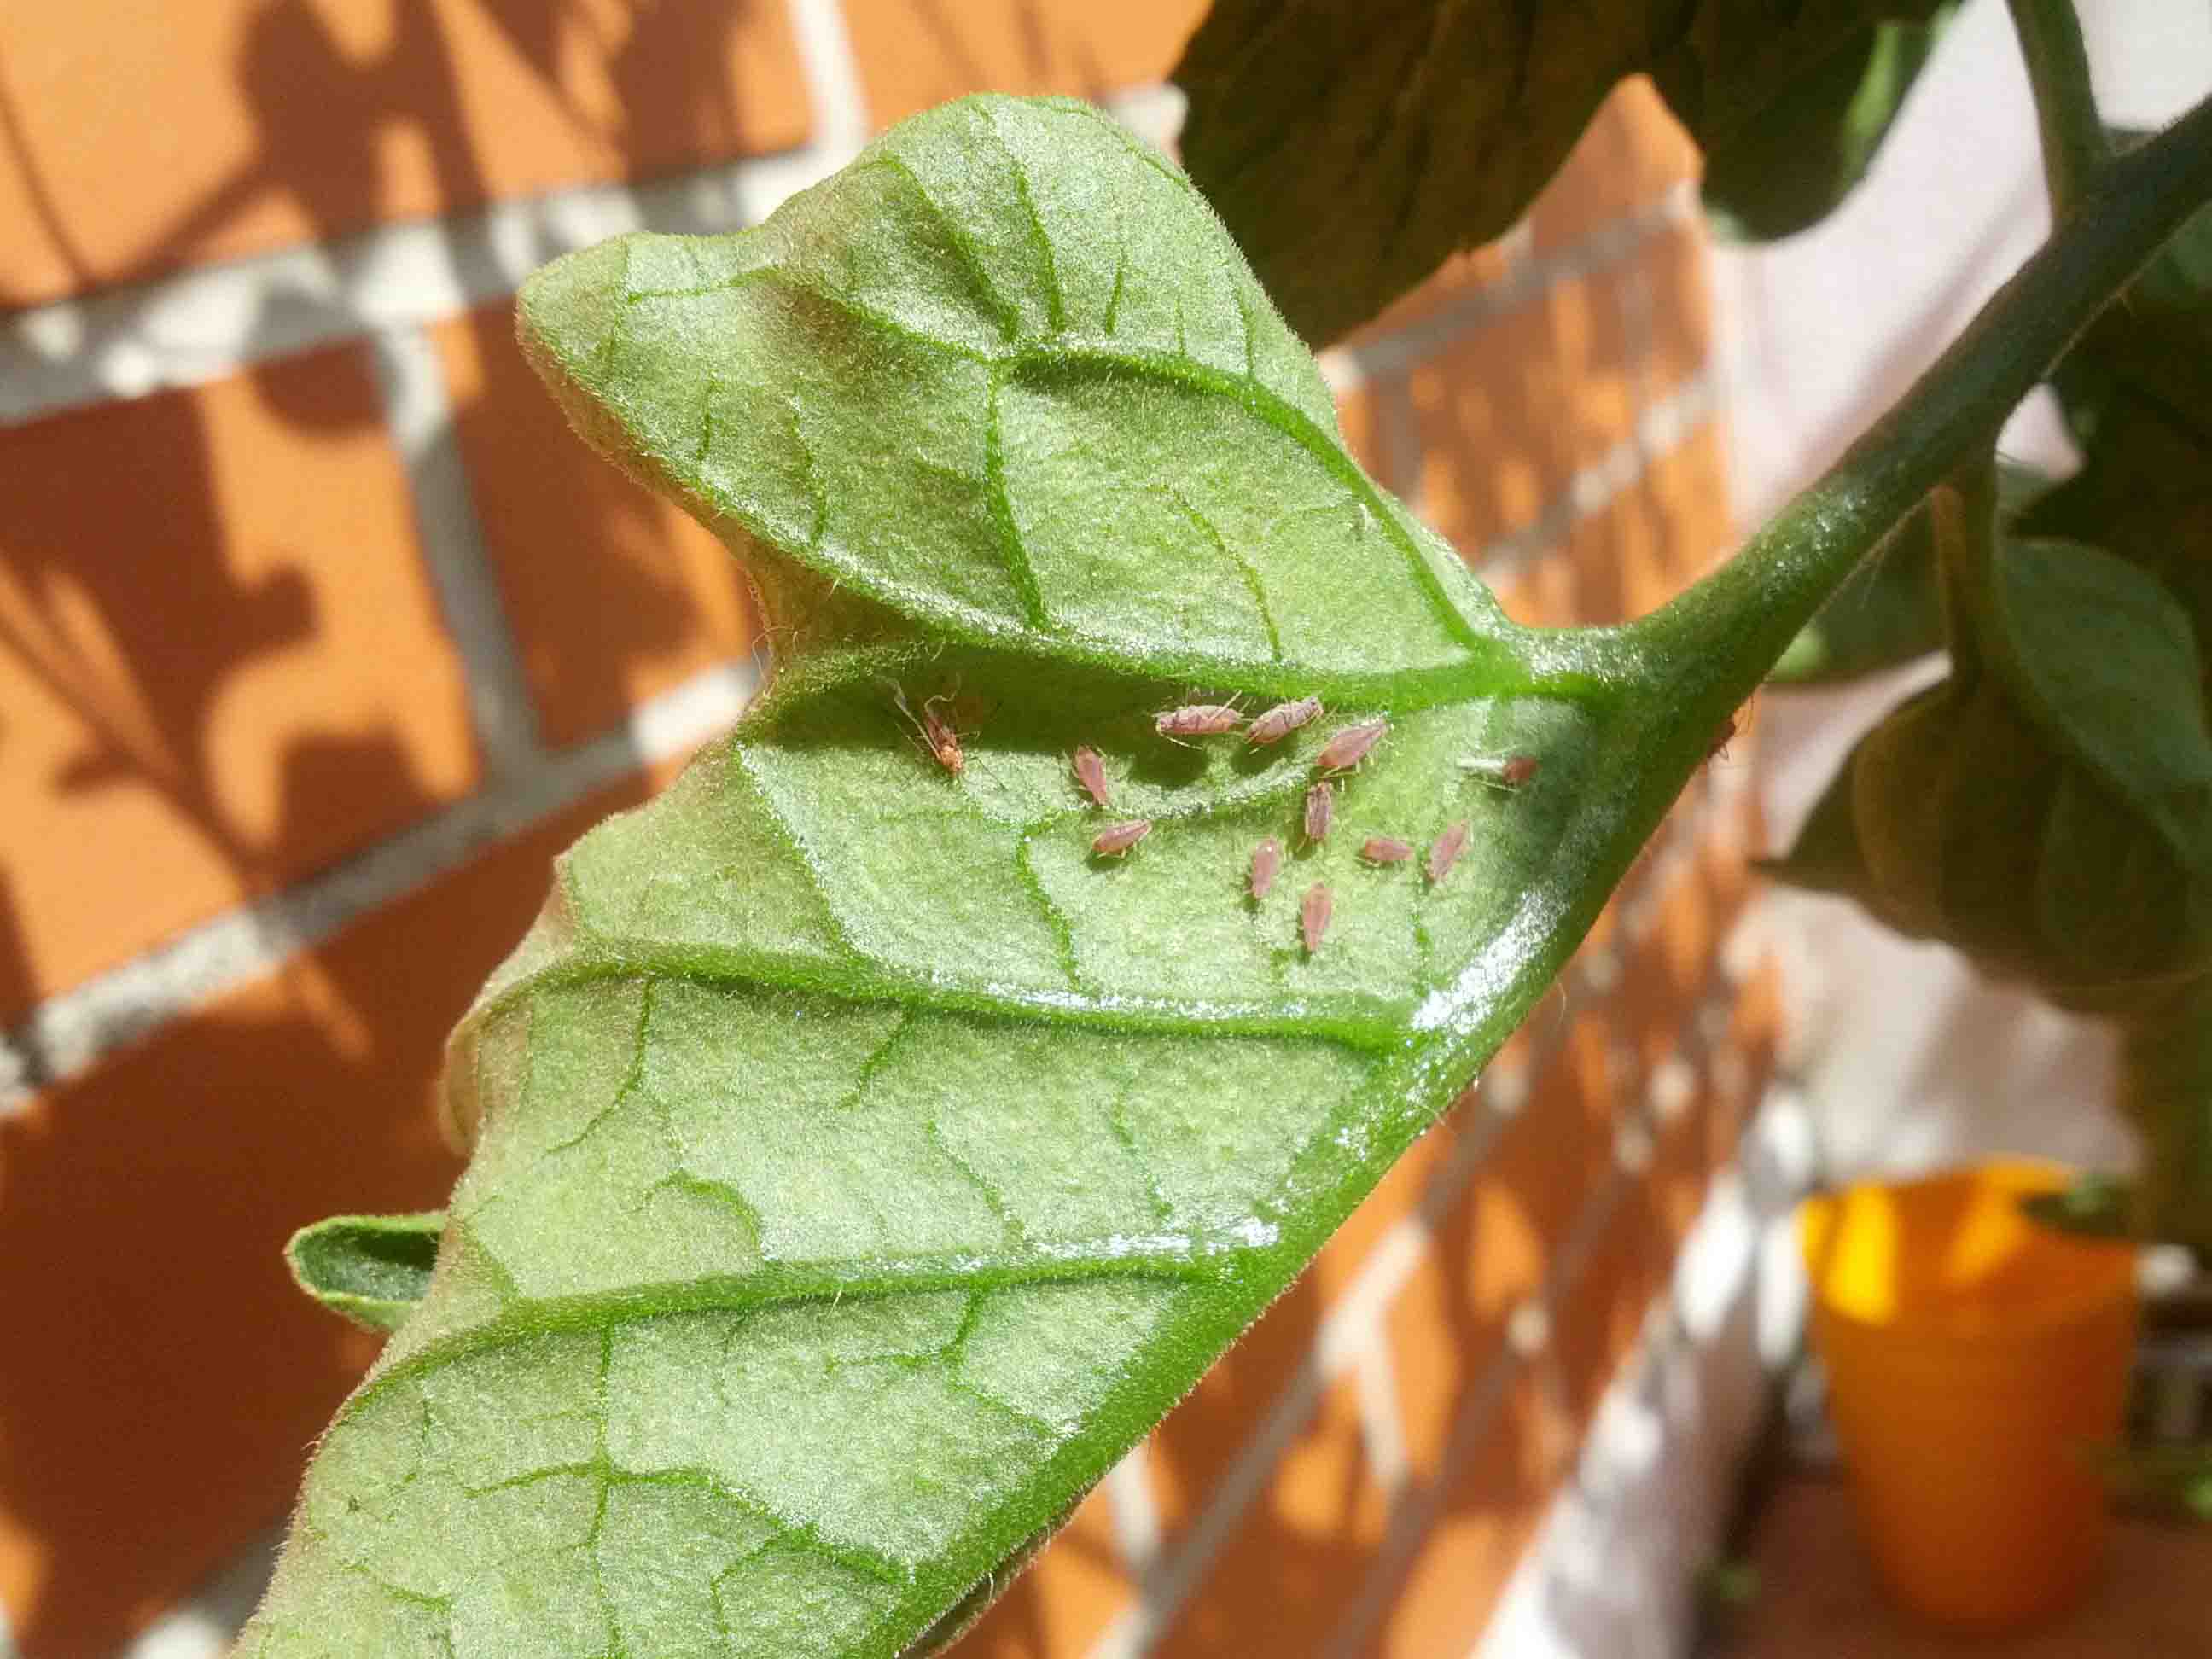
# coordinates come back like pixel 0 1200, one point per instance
pixel 1266 859
pixel 940 739
pixel 1116 838
pixel 1444 850
pixel 1350 746
pixel 1281 720
pixel 1090 773
pixel 1723 734
pixel 1197 719
pixel 1386 849
pixel 1321 810
pixel 1500 771
pixel 1313 913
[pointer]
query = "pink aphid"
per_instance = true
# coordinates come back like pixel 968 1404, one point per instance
pixel 1197 719
pixel 1313 913
pixel 1444 850
pixel 1281 720
pixel 1386 849
pixel 1116 838
pixel 1090 773
pixel 1350 746
pixel 1266 859
pixel 938 735
pixel 1501 771
pixel 1321 810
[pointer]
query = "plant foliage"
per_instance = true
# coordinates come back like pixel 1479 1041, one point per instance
pixel 860 1165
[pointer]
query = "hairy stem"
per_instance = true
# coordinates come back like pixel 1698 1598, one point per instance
pixel 1720 637
pixel 2075 149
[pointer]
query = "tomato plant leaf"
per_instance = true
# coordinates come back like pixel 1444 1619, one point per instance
pixel 372 1269
pixel 860 1162
pixel 1352 149
pixel 1788 167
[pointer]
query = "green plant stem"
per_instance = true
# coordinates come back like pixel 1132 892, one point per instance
pixel 2075 149
pixel 1716 641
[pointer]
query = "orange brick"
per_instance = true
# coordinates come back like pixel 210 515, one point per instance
pixel 915 53
pixel 1675 264
pixel 1493 1503
pixel 212 128
pixel 614 594
pixel 167 1407
pixel 221 659
pixel 1557 1148
pixel 1064 1602
pixel 1297 1559
pixel 1507 412
pixel 1446 1329
pixel 1455 280
pixel 1689 488
pixel 1632 154
pixel 1194 1447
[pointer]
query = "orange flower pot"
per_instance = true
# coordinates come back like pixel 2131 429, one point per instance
pixel 1976 1361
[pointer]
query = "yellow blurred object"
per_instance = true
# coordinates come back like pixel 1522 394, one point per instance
pixel 1976 1362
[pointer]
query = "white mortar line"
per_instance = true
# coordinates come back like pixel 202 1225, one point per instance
pixel 1659 428
pixel 412 380
pixel 207 322
pixel 1137 1527
pixel 1381 1422
pixel 1417 1512
pixel 69 1032
pixel 1354 1321
pixel 1610 1569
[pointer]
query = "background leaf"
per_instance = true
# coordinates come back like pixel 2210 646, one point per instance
pixel 1352 149
pixel 372 1269
pixel 1788 167
pixel 860 1165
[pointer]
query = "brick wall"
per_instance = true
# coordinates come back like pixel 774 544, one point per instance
pixel 318 636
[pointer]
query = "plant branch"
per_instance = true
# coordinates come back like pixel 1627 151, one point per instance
pixel 1713 643
pixel 2075 149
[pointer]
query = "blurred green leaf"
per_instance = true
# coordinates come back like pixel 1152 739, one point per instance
pixel 1352 149
pixel 1789 167
pixel 2106 660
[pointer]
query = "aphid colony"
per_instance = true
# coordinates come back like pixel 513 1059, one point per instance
pixel 1343 753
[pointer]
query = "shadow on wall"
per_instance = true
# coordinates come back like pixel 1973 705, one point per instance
pixel 223 673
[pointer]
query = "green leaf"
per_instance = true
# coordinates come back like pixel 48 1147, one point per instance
pixel 2106 660
pixel 1352 149
pixel 860 1165
pixel 372 1269
pixel 1789 167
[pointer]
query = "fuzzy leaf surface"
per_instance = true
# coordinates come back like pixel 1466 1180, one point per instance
pixel 860 1165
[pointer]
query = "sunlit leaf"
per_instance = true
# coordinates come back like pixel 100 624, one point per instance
pixel 861 1163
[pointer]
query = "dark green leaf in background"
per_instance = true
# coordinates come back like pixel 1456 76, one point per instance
pixel 372 1269
pixel 860 1165
pixel 1787 166
pixel 1352 149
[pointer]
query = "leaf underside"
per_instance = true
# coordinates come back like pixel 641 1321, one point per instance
pixel 862 1166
